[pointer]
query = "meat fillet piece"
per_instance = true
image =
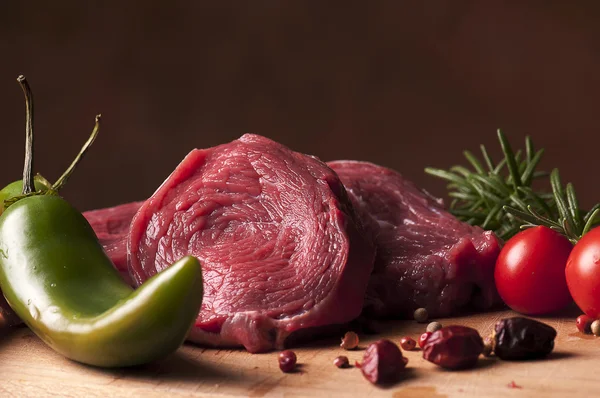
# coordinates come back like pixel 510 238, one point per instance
pixel 425 256
pixel 112 228
pixel 276 235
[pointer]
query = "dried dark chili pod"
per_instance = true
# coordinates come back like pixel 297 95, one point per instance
pixel 521 338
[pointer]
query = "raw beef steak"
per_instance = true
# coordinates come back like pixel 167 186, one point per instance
pixel 112 228
pixel 425 256
pixel 276 235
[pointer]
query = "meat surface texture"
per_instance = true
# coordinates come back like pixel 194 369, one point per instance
pixel 425 256
pixel 275 232
pixel 112 228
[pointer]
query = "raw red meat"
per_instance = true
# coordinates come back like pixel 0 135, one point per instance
pixel 425 256
pixel 275 233
pixel 112 228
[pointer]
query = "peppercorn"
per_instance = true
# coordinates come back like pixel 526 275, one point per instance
pixel 595 327
pixel 408 343
pixel 349 341
pixel 488 346
pixel 287 361
pixel 434 327
pixel 421 315
pixel 423 339
pixel 341 361
pixel 584 324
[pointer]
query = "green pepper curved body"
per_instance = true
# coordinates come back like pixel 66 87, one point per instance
pixel 57 278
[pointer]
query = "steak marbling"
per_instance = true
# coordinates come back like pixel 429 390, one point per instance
pixel 275 233
pixel 425 256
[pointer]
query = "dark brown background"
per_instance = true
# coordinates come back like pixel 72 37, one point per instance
pixel 404 84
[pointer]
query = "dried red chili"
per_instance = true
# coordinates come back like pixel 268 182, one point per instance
pixel 383 362
pixel 408 343
pixel 423 339
pixel 341 361
pixel 454 347
pixel 349 341
pixel 584 324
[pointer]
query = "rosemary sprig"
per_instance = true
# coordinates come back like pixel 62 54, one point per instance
pixel 570 221
pixel 500 196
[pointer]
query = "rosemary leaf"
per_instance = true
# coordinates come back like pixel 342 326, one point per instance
pixel 591 219
pixel 588 215
pixel 498 187
pixel 561 204
pixel 499 166
pixel 490 216
pixel 487 195
pixel 542 219
pixel 476 205
pixel 535 198
pixel 529 149
pixel 445 175
pixel 521 214
pixel 574 208
pixel 527 175
pixel 462 196
pixel 461 170
pixel 518 202
pixel 511 160
pixel 474 162
pixel 487 158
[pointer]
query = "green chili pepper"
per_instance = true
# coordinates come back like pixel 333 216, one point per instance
pixel 55 275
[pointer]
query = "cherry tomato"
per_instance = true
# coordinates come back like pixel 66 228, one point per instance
pixel 583 273
pixel 530 271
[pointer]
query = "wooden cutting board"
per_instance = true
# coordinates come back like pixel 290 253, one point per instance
pixel 29 369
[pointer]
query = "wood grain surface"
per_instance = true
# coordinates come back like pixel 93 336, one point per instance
pixel 29 369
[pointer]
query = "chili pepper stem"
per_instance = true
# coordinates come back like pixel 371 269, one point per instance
pixel 28 178
pixel 62 180
pixel 28 186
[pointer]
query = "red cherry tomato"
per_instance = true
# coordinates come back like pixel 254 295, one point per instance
pixel 530 271
pixel 583 273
